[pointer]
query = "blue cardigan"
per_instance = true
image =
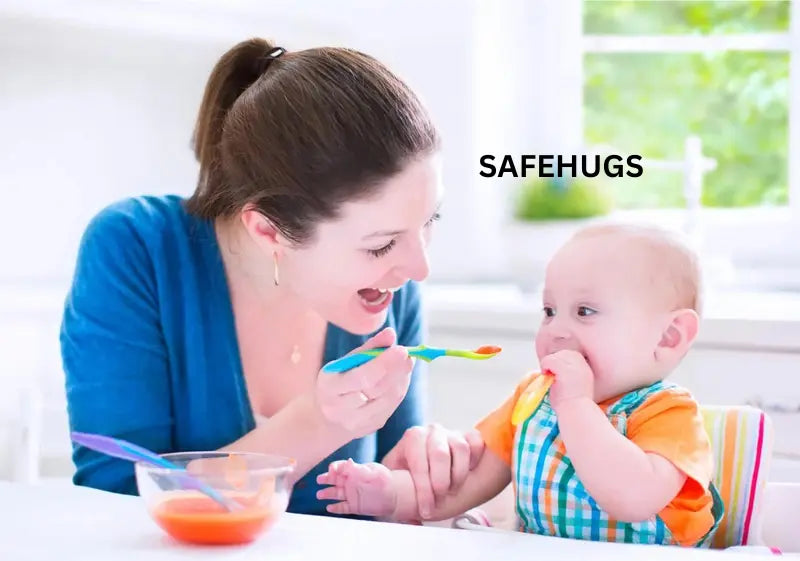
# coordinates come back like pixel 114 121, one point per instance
pixel 150 353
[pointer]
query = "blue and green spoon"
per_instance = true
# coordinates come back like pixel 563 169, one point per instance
pixel 422 352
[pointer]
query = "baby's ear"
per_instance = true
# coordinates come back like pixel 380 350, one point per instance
pixel 678 336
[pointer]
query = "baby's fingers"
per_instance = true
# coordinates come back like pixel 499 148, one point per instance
pixel 326 478
pixel 339 508
pixel 334 493
pixel 335 474
pixel 338 468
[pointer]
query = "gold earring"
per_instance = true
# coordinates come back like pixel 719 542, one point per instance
pixel 275 270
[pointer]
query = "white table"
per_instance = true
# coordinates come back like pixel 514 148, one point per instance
pixel 63 522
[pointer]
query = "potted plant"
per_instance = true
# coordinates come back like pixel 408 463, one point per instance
pixel 546 212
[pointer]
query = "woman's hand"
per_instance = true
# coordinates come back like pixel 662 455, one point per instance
pixel 438 459
pixel 361 400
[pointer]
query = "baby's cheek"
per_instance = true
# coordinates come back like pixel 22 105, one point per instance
pixel 599 371
pixel 600 352
pixel 603 365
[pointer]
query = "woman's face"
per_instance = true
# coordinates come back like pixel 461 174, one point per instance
pixel 348 272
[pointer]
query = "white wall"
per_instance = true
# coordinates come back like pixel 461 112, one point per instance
pixel 86 123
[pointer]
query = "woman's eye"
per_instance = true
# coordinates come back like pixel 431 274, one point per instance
pixel 381 251
pixel 586 311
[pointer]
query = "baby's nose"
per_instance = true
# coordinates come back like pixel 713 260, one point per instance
pixel 567 343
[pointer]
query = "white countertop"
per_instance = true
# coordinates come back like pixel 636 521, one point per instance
pixel 64 522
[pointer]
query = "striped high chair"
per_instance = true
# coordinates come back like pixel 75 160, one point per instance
pixel 741 438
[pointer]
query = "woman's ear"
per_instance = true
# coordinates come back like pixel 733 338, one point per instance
pixel 678 336
pixel 260 229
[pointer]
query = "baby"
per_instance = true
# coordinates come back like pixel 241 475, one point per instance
pixel 612 452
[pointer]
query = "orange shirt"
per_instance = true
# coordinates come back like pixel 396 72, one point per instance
pixel 668 423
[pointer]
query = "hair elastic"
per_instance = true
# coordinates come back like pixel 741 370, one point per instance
pixel 276 52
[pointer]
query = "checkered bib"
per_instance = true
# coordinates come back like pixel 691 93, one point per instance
pixel 551 500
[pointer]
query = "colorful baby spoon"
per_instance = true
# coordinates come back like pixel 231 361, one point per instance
pixel 128 451
pixel 531 397
pixel 427 354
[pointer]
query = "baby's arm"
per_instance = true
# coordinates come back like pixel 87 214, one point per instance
pixel 374 490
pixel 625 481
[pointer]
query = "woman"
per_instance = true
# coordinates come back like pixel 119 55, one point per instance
pixel 203 323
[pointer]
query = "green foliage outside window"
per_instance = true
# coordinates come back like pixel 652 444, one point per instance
pixel 737 102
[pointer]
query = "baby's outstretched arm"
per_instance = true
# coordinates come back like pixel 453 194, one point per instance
pixel 374 490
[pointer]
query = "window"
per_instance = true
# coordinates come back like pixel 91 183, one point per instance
pixel 660 78
pixel 657 73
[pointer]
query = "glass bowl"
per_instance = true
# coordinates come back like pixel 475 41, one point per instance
pixel 219 498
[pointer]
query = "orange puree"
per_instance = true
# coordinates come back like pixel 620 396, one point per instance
pixel 198 519
pixel 488 350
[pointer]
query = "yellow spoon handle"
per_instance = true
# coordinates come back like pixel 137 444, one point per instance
pixel 531 397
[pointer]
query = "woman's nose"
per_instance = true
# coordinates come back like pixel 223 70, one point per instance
pixel 416 266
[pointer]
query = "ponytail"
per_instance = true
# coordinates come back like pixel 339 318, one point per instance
pixel 236 71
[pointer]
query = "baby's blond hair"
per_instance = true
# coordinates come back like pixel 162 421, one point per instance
pixel 674 264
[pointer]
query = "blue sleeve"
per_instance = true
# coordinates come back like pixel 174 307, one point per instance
pixel 113 353
pixel 411 330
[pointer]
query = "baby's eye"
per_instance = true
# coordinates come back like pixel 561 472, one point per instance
pixel 585 311
pixel 549 311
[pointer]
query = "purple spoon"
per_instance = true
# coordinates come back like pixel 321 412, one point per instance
pixel 128 451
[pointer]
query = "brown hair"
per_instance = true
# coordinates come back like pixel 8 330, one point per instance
pixel 298 134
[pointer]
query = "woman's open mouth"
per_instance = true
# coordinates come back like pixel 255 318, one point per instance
pixel 376 300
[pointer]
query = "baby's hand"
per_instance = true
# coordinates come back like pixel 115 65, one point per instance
pixel 573 377
pixel 365 489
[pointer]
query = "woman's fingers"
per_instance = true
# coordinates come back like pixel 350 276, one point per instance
pixel 416 457
pixel 439 460
pixel 368 377
pixel 460 460
pixel 477 446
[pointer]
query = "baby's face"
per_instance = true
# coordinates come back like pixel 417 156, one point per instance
pixel 599 301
